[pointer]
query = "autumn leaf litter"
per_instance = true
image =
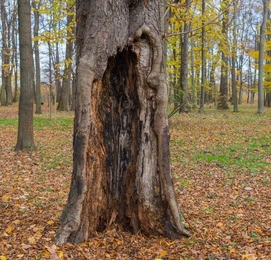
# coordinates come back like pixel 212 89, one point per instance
pixel 226 202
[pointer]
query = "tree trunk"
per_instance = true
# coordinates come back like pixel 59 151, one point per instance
pixel 234 54
pixel 121 171
pixel 25 140
pixel 4 54
pixel 37 57
pixel 223 91
pixel 63 104
pixel 14 53
pixel 261 56
pixel 203 60
pixel 184 106
pixel 193 73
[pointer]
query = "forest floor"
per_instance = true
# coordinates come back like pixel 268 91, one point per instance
pixel 221 163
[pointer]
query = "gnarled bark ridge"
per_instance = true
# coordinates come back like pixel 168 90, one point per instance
pixel 121 170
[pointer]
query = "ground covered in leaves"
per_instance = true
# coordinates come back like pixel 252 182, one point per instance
pixel 221 162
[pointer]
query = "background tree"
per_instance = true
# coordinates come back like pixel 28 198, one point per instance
pixel 261 58
pixel 36 7
pixel 25 140
pixel 223 91
pixel 233 70
pixel 121 171
pixel 63 104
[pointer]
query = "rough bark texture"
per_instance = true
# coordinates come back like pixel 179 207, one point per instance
pixel 121 172
pixel 25 140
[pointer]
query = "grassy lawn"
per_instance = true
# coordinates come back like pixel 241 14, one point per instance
pixel 221 164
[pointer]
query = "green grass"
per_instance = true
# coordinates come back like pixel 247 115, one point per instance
pixel 226 139
pixel 40 123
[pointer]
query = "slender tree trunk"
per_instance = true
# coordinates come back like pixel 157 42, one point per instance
pixel 37 57
pixel 25 140
pixel 4 43
pixel 50 96
pixel 261 54
pixel 241 79
pixel 63 104
pixel 223 91
pixel 121 170
pixel 184 106
pixel 15 54
pixel 57 74
pixel 234 54
pixel 203 60
pixel 193 73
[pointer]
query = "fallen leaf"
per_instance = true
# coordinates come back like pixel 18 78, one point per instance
pixel 50 222
pixel 17 221
pixel 52 250
pixel 60 254
pixel 3 258
pixel 163 253
pixel 5 197
pixel 9 229
pixel 31 240
pixel 220 224
pixel 232 250
pixel 248 188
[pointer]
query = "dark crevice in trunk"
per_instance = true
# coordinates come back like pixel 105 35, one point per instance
pixel 119 113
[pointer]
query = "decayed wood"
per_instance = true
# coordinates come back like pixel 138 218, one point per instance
pixel 121 173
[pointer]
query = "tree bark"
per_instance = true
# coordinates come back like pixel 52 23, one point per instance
pixel 223 91
pixel 121 173
pixel 4 55
pixel 184 39
pixel 15 53
pixel 37 57
pixel 25 140
pixel 234 54
pixel 63 104
pixel 203 60
pixel 261 56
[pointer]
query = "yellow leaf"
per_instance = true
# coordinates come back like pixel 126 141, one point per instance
pixel 20 255
pixel 60 254
pixel 258 230
pixel 10 228
pixel 220 224
pixel 5 197
pixel 232 250
pixel 46 253
pixel 38 235
pixel 3 258
pixel 163 253
pixel 50 222
pixel 31 240
pixel 248 256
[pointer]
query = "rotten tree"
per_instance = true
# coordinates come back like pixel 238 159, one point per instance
pixel 121 172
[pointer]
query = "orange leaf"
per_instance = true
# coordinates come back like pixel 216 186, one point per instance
pixel 9 229
pixel 5 197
